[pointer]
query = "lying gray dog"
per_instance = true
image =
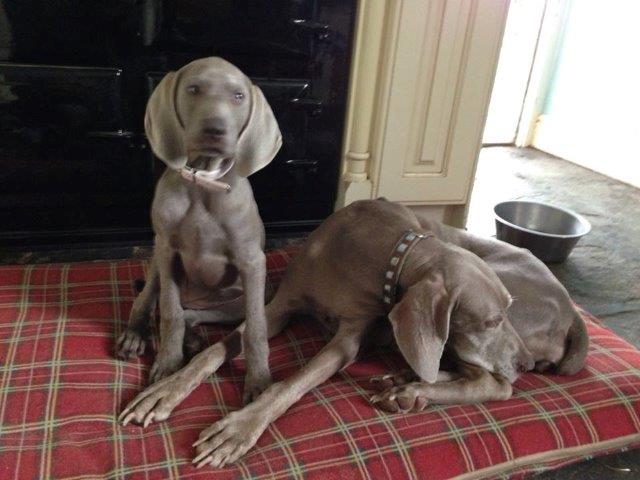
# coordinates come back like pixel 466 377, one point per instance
pixel 213 128
pixel 345 275
pixel 542 314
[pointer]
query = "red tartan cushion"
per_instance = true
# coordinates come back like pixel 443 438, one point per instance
pixel 62 390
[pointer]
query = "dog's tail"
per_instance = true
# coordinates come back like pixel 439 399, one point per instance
pixel 577 346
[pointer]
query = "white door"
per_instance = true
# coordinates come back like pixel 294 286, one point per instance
pixel 443 67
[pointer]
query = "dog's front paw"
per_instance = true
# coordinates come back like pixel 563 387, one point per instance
pixel 131 343
pixel 165 366
pixel 227 440
pixel 157 401
pixel 410 397
pixel 254 385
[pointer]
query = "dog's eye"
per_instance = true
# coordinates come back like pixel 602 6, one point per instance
pixel 493 321
pixel 239 96
pixel 193 89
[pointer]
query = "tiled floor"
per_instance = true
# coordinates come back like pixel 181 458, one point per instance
pixel 603 272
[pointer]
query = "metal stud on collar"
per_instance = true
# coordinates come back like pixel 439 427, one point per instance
pixel 396 261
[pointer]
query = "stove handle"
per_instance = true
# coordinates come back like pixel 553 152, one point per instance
pixel 313 106
pixel 310 166
pixel 319 29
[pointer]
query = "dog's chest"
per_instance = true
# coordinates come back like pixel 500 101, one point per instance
pixel 202 228
pixel 200 235
pixel 199 230
pixel 202 245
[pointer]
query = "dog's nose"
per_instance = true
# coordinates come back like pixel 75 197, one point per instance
pixel 214 131
pixel 214 127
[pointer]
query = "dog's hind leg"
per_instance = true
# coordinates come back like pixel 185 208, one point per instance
pixel 227 313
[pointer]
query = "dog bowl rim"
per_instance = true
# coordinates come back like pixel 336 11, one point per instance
pixel 583 221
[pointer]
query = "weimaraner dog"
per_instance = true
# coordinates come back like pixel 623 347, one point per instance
pixel 448 296
pixel 212 128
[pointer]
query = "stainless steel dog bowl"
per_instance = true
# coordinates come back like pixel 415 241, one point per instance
pixel 549 232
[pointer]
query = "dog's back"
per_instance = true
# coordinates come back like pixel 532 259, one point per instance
pixel 342 263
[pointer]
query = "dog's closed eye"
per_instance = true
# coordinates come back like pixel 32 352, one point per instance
pixel 493 321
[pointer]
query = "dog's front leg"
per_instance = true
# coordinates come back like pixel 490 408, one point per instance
pixel 473 385
pixel 172 326
pixel 253 271
pixel 133 341
pixel 231 437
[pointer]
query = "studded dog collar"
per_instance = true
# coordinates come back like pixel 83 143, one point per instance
pixel 397 258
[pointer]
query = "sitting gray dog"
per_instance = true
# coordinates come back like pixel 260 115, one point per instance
pixel 367 261
pixel 213 128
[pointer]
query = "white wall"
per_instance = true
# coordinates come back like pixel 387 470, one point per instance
pixel 591 114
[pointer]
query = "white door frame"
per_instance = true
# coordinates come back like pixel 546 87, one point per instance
pixel 551 31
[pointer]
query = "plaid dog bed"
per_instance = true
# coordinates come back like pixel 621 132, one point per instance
pixel 61 390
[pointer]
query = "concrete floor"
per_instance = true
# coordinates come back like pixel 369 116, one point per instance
pixel 603 272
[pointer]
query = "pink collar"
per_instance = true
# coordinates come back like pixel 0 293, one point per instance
pixel 207 179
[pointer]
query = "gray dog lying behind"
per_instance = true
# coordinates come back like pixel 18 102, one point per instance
pixel 542 314
pixel 451 303
pixel 211 126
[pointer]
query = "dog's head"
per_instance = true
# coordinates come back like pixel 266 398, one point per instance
pixel 210 115
pixel 461 302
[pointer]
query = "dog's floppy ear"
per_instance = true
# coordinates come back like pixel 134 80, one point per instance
pixel 162 124
pixel 261 139
pixel 421 325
